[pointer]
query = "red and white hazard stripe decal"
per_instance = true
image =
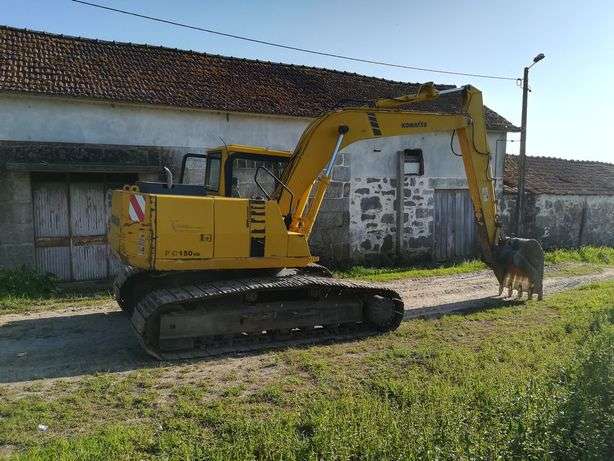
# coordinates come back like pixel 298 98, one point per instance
pixel 136 208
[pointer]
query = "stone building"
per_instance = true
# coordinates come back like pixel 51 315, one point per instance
pixel 569 203
pixel 81 116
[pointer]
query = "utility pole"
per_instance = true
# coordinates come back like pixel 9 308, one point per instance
pixel 522 158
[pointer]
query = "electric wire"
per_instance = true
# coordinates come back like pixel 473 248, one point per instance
pixel 290 47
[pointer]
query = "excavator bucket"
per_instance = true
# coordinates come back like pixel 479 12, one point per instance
pixel 519 265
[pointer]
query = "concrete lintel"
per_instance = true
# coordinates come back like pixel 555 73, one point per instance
pixel 449 183
pixel 80 168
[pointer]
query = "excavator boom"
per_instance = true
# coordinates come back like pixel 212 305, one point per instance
pixel 517 263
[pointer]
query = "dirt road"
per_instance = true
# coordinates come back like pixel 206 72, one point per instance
pixel 76 342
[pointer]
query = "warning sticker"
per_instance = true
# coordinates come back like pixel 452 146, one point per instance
pixel 136 208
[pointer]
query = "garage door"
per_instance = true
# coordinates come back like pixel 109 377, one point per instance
pixel 70 223
pixel 454 229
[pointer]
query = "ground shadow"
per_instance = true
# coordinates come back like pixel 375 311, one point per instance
pixel 461 307
pixel 80 344
pixel 70 345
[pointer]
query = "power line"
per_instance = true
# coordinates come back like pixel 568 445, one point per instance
pixel 289 47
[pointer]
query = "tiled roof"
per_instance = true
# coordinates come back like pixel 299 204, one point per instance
pixel 548 175
pixel 56 65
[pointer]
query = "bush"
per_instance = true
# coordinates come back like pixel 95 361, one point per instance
pixel 25 283
pixel 587 254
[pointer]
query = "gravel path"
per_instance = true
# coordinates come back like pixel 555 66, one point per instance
pixel 75 342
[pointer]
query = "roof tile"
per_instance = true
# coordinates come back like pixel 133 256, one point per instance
pixel 549 175
pixel 49 64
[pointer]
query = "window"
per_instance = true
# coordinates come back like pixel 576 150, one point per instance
pixel 212 172
pixel 244 169
pixel 414 162
pixel 194 171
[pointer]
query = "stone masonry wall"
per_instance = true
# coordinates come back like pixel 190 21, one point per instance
pixel 373 218
pixel 330 239
pixel 16 220
pixel 564 221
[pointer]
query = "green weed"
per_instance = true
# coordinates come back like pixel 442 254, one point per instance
pixel 529 381
pixel 581 261
pixel 384 274
pixel 25 290
pixel 587 254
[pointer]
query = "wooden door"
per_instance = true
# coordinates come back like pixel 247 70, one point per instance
pixel 454 229
pixel 71 213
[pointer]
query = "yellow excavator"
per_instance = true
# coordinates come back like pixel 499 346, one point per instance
pixel 208 270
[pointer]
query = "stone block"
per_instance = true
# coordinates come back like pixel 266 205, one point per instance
pixel 346 189
pixel 326 220
pixel 388 218
pixel 14 256
pixel 387 244
pixel 16 233
pixel 422 213
pixel 370 203
pixel 335 235
pixel 335 190
pixel 365 244
pixel 341 173
pixel 15 187
pixel 16 213
pixel 341 253
pixel 336 204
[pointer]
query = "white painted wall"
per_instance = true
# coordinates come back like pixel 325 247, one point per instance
pixel 378 157
pixel 31 118
pixel 35 118
pixel 49 119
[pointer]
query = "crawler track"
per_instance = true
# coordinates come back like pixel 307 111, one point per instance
pixel 253 313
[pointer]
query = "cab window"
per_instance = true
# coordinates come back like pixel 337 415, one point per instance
pixel 244 169
pixel 212 172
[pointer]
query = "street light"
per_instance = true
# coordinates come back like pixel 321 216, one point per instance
pixel 522 159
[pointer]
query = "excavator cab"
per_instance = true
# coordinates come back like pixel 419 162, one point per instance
pixel 235 170
pixel 227 171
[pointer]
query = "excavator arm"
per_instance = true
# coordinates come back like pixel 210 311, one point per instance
pixel 517 263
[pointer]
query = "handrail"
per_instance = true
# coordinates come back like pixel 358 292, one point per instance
pixel 279 181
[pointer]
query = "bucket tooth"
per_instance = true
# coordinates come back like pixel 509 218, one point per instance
pixel 519 265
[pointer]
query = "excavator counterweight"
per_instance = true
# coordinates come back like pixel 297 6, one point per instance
pixel 225 265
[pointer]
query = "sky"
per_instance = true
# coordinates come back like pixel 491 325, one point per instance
pixel 570 105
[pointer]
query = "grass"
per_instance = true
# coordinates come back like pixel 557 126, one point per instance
pixel 588 254
pixel 522 381
pixel 582 261
pixel 385 274
pixel 24 290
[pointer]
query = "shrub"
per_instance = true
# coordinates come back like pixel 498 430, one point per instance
pixel 26 283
